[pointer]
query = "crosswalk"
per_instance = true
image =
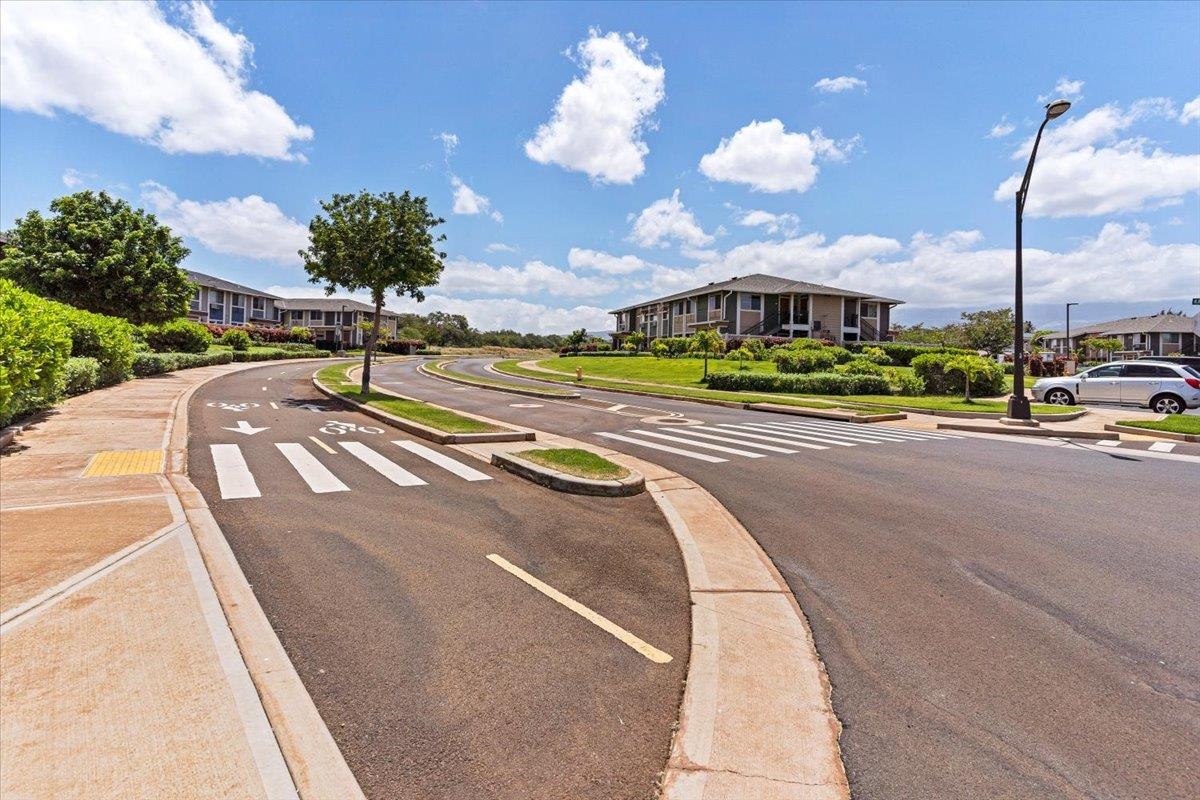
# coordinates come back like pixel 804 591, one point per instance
pixel 716 443
pixel 236 481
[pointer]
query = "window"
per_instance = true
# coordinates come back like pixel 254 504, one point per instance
pixel 194 305
pixel 689 307
pixel 679 307
pixel 331 318
pixel 258 307
pixel 751 302
pixel 1142 371
pixel 801 317
pixel 1170 338
pixel 1107 371
pixel 297 316
pixel 216 305
pixel 850 314
pixel 238 314
pixel 870 310
pixel 315 316
pixel 714 302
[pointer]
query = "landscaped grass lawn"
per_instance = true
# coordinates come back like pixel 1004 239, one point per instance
pixel 1176 423
pixel 334 376
pixel 573 461
pixel 443 368
pixel 679 376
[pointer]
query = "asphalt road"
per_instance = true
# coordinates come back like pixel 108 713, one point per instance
pixel 440 674
pixel 1000 619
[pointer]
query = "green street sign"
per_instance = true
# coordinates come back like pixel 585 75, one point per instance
pixel 1196 301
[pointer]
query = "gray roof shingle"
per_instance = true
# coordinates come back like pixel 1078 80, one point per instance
pixel 760 283
pixel 224 285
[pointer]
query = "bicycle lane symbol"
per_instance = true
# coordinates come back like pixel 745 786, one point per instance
pixel 233 406
pixel 335 428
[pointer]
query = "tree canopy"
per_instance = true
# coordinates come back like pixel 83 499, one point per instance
pixel 987 330
pixel 98 253
pixel 380 243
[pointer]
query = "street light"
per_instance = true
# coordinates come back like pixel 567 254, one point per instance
pixel 1068 347
pixel 1018 403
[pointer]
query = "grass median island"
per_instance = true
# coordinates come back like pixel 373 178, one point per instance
pixel 334 377
pixel 1176 423
pixel 443 369
pixel 573 461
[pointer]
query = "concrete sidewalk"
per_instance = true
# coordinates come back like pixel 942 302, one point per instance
pixel 120 675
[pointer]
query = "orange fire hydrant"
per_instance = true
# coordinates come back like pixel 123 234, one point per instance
pixel 579 373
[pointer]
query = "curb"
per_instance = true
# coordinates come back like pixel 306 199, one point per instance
pixel 507 390
pixel 8 434
pixel 1179 437
pixel 1017 430
pixel 820 413
pixel 631 484
pixel 419 430
pixel 1068 417
pixel 313 758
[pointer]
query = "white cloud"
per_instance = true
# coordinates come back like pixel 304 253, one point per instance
pixel 1191 111
pixel 785 223
pixel 463 276
pixel 607 263
pixel 769 159
pixel 667 219
pixel 600 118
pixel 1001 129
pixel 468 201
pixel 75 179
pixel 842 83
pixel 500 247
pixel 1088 166
pixel 239 226
pixel 1065 89
pixel 449 144
pixel 125 67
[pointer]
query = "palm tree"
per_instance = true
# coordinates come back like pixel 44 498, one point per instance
pixel 709 342
pixel 971 368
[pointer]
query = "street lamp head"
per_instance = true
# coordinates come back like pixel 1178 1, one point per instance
pixel 1057 108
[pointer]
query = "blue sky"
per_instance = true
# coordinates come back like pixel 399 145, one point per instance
pixel 588 155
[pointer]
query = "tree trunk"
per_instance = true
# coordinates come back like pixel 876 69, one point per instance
pixel 705 364
pixel 969 388
pixel 370 348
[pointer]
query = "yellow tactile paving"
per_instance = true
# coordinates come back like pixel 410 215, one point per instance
pixel 124 462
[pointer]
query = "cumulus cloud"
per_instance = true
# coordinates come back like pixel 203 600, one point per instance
pixel 785 223
pixel 1089 165
pixel 449 144
pixel 463 276
pixel 74 179
pixel 1065 89
pixel 124 66
pixel 607 263
pixel 238 226
pixel 665 220
pixel 468 201
pixel 600 117
pixel 500 247
pixel 769 159
pixel 1001 129
pixel 1191 112
pixel 842 83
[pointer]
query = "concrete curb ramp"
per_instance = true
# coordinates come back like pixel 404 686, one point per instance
pixel 424 431
pixel 631 484
pixel 512 389
pixel 1179 437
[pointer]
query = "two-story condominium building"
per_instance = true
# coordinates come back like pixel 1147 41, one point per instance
pixel 761 305
pixel 1163 334
pixel 223 302
pixel 326 316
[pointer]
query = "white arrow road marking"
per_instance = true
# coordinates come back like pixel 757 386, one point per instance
pixel 312 408
pixel 245 427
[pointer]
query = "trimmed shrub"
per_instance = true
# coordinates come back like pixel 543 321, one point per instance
pixel 146 364
pixel 860 366
pixel 804 344
pixel 876 355
pixel 439 352
pixel 609 354
pixel 903 353
pixel 80 376
pixel 740 354
pixel 300 334
pixel 816 383
pixel 275 353
pixel 177 336
pixel 109 340
pixel 658 348
pixel 35 344
pixel 931 367
pixel 807 360
pixel 905 382
pixel 403 347
pixel 236 338
pixel 298 347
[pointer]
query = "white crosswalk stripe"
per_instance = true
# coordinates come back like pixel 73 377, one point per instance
pixel 784 435
pixel 234 479
pixel 762 437
pixel 848 430
pixel 443 461
pixel 679 451
pixel 720 448
pixel 847 436
pixel 875 430
pixel 1162 447
pixel 690 431
pixel 315 474
pixel 388 469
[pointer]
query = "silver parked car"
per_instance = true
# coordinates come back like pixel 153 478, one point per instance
pixel 1161 387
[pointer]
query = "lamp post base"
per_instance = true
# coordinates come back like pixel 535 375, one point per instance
pixel 1018 407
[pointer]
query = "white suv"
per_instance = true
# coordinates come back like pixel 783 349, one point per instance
pixel 1161 387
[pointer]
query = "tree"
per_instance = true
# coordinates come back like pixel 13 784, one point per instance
pixel 1102 345
pixel 379 243
pixel 708 342
pixel 990 331
pixel 97 253
pixel 576 338
pixel 971 368
pixel 637 339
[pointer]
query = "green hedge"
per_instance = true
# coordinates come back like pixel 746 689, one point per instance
pixel 178 336
pixel 903 353
pixel 808 360
pixel 236 339
pixel 109 340
pixel 275 354
pixel 816 383
pixel 35 344
pixel 298 347
pixel 931 368
pixel 81 376
pixel 145 364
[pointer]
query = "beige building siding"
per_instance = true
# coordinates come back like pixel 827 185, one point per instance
pixel 827 310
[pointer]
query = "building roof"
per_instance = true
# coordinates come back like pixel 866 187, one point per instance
pixel 1162 322
pixel 762 284
pixel 224 285
pixel 326 304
